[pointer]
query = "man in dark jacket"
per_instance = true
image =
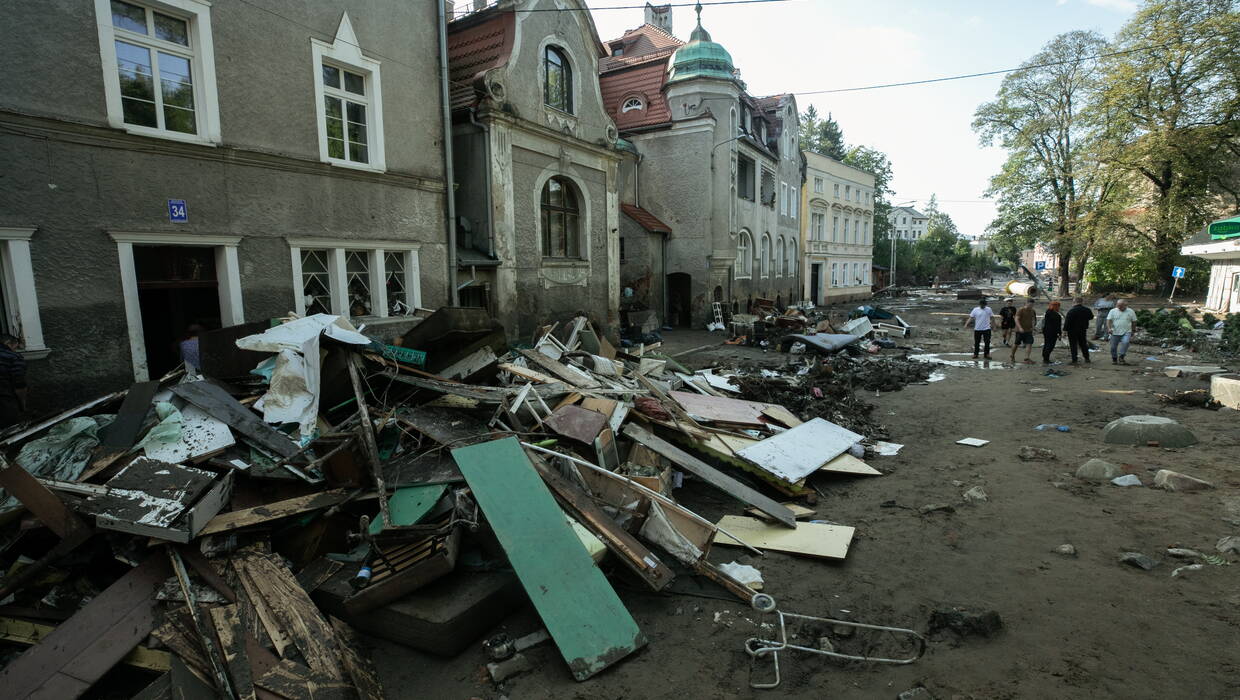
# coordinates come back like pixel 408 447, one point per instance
pixel 1076 327
pixel 12 381
pixel 1052 328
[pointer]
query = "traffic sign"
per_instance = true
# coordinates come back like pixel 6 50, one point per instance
pixel 1177 272
pixel 178 213
pixel 1039 265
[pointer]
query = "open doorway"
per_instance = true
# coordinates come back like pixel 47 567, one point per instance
pixel 679 300
pixel 815 280
pixel 177 288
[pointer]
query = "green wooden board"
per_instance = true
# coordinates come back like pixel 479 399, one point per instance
pixel 408 505
pixel 589 624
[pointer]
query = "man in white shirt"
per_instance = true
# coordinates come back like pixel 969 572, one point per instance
pixel 1121 322
pixel 980 318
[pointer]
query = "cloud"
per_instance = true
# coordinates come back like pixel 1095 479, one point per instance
pixel 1117 5
pixel 1061 3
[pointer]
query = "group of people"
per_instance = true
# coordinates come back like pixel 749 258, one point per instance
pixel 1019 324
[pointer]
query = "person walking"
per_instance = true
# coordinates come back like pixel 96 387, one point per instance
pixel 1103 305
pixel 1007 319
pixel 980 317
pixel 1076 327
pixel 1052 328
pixel 1121 322
pixel 1026 320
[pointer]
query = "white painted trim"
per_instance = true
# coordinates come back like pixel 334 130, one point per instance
pixel 1215 250
pixel 367 244
pixel 378 284
pixel 227 276
pixel 206 93
pixel 20 292
pixel 413 278
pixel 346 51
pixel 299 294
pixel 337 281
pixel 155 238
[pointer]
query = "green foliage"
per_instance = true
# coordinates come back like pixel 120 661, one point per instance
pixel 822 135
pixel 876 162
pixel 1231 335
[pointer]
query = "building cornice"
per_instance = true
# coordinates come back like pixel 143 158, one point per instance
pixel 88 135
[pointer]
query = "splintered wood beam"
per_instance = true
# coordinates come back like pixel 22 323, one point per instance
pixel 369 446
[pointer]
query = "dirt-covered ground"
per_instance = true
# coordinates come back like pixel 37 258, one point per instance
pixel 1083 626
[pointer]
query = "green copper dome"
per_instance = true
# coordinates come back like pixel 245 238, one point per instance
pixel 701 57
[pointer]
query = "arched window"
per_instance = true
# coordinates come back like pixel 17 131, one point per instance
pixel 559 85
pixel 744 254
pixel 631 104
pixel 764 258
pixel 781 267
pixel 561 234
pixel 793 263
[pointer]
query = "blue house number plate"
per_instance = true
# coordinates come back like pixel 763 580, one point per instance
pixel 177 212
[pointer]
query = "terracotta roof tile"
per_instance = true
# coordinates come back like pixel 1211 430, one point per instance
pixel 643 80
pixel 648 221
pixel 639 45
pixel 477 44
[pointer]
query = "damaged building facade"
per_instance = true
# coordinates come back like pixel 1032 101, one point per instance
pixel 207 164
pixel 712 202
pixel 536 165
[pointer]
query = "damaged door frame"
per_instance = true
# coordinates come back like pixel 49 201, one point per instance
pixel 227 272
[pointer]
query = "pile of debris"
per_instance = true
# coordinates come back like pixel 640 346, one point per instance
pixel 228 529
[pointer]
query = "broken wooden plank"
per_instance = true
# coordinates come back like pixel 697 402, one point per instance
pixel 248 517
pixel 800 511
pixel 219 404
pixel 809 539
pixel 293 610
pixel 122 432
pixel 31 633
pixel 580 609
pixel 796 453
pixel 578 423
pixel 86 646
pixel 848 464
pixel 710 475
pixel 227 623
pixel 487 394
pixel 204 629
pixel 631 552
pixel 291 680
pixel 567 373
pixel 721 409
pixel 280 639
pixel 366 430
pixel 527 373
pixel 361 670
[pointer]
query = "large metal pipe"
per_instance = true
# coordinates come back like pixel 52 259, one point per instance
pixel 449 177
pixel 1021 289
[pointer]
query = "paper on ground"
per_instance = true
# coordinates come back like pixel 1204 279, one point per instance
pixel 887 449
pixel 972 442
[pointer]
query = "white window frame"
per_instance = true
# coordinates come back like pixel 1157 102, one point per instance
pixel 764 256
pixel 21 299
pixel 377 264
pixel 835 228
pixel 783 198
pixel 744 255
pixel 632 103
pixel 818 185
pixel 793 266
pixel 227 274
pixel 834 269
pixel 780 260
pixel 793 202
pixel 837 190
pixel 197 16
pixel 345 52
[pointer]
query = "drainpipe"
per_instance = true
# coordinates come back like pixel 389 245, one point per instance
pixel 486 137
pixel 448 172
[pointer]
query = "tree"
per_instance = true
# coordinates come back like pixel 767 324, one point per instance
pixel 1171 102
pixel 822 135
pixel 1037 116
pixel 878 164
pixel 1017 228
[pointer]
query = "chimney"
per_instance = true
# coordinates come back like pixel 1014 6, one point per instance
pixel 659 16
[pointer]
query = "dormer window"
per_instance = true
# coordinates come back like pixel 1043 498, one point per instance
pixel 631 104
pixel 617 49
pixel 558 92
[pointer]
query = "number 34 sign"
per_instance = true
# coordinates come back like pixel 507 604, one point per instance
pixel 178 213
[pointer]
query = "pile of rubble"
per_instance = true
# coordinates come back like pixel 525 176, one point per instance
pixel 227 529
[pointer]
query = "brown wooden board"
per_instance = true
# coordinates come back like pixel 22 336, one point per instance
pixel 567 373
pixel 486 394
pixel 227 623
pixel 293 610
pixel 293 681
pixel 580 424
pixel 631 552
pixel 359 666
pixel 710 475
pixel 249 517
pixel 220 405
pixel 89 644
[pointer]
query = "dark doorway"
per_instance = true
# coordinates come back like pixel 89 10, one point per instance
pixel 177 288
pixel 679 300
pixel 815 279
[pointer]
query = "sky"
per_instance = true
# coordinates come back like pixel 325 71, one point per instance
pixel 808 45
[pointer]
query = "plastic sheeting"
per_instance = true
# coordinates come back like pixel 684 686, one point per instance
pixel 61 454
pixel 293 395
